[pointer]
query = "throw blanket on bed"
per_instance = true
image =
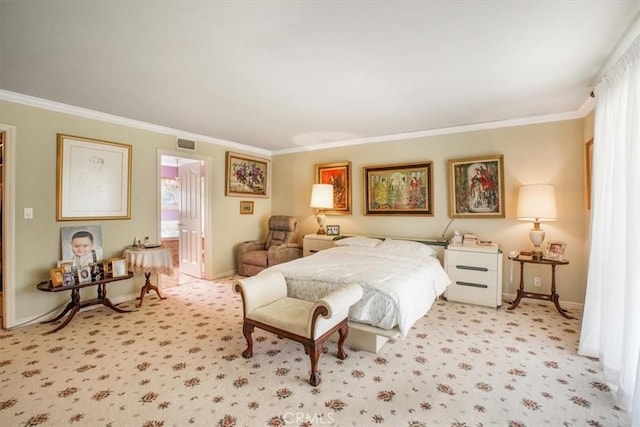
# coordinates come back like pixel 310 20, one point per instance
pixel 399 286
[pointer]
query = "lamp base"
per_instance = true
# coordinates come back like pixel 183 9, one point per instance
pixel 320 219
pixel 536 234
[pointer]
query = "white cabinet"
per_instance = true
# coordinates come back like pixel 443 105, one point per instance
pixel 312 243
pixel 475 273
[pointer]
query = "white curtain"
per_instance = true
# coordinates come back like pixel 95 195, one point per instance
pixel 611 320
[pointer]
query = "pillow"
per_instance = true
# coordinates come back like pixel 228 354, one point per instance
pixel 407 246
pixel 363 242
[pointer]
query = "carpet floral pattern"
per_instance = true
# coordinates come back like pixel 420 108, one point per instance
pixel 178 362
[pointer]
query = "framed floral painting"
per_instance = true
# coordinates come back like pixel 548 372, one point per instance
pixel 339 175
pixel 247 176
pixel 476 187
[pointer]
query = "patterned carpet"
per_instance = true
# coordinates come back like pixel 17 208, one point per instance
pixel 178 362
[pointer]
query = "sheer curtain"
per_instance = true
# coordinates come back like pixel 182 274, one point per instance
pixel 611 321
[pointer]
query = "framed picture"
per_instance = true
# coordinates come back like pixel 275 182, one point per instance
pixel 56 274
pixel 170 194
pixel 119 267
pixel 93 179
pixel 400 189
pixel 84 274
pixel 588 164
pixel 246 207
pixel 476 187
pixel 97 271
pixel 81 245
pixel 339 175
pixel 555 250
pixel 68 278
pixel 247 176
pixel 333 230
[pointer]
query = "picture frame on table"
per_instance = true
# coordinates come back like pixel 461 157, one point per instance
pixel 88 244
pixel 476 187
pixel 84 274
pixel 93 179
pixel 399 189
pixel 333 230
pixel 68 278
pixel 119 267
pixel 247 176
pixel 246 207
pixel 56 275
pixel 555 250
pixel 337 174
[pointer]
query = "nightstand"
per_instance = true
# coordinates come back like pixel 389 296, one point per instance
pixel 476 274
pixel 312 243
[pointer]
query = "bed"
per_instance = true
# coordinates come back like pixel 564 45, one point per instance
pixel 400 278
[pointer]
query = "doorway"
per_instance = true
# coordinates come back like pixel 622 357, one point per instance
pixel 183 214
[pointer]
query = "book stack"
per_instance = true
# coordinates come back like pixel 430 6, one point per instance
pixel 470 239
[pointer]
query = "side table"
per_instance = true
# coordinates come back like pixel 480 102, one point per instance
pixel 149 261
pixel 523 259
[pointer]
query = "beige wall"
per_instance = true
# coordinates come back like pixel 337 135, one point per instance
pixel 551 152
pixel 544 153
pixel 37 244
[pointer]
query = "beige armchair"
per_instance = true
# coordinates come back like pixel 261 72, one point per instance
pixel 280 246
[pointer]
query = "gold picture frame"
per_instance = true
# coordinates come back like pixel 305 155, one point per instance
pixel 399 189
pixel 246 207
pixel 337 174
pixel 93 179
pixel 56 275
pixel 247 176
pixel 476 187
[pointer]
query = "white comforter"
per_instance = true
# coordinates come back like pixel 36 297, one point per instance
pixel 399 288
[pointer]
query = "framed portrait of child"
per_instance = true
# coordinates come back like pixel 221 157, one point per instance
pixel 81 245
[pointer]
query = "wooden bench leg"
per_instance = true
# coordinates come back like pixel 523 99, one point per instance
pixel 314 351
pixel 342 332
pixel 247 330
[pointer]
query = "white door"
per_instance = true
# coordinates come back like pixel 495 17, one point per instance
pixel 190 225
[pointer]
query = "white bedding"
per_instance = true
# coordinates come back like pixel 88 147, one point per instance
pixel 399 286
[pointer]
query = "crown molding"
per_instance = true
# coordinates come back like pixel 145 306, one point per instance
pixel 59 107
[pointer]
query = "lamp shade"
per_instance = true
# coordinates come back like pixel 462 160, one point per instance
pixel 322 196
pixel 537 202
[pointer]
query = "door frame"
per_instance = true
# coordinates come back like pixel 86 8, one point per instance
pixel 9 228
pixel 207 260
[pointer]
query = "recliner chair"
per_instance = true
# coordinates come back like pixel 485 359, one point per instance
pixel 280 246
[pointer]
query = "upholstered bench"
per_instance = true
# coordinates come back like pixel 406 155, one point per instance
pixel 267 306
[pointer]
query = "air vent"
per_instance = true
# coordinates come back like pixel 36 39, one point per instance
pixel 186 144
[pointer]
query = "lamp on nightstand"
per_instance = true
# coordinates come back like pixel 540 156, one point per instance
pixel 321 199
pixel 537 203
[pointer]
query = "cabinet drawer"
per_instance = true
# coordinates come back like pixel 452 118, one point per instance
pixel 472 278
pixel 471 260
pixel 311 246
pixel 472 294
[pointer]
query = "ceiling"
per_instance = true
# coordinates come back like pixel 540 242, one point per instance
pixel 289 75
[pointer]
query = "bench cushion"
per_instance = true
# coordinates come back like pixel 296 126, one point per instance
pixel 288 314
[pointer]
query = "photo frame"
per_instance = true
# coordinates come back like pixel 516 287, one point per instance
pixel 333 230
pixel 399 189
pixel 89 244
pixel 170 194
pixel 555 250
pixel 93 179
pixel 337 174
pixel 246 207
pixel 68 278
pixel 119 267
pixel 84 274
pixel 56 275
pixel 247 176
pixel 97 271
pixel 476 187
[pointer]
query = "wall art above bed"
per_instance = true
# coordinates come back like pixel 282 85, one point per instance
pixel 476 187
pixel 399 189
pixel 339 175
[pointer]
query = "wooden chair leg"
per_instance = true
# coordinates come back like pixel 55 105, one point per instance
pixel 343 332
pixel 247 330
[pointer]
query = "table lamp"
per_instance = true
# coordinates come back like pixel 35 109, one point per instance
pixel 537 203
pixel 321 199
